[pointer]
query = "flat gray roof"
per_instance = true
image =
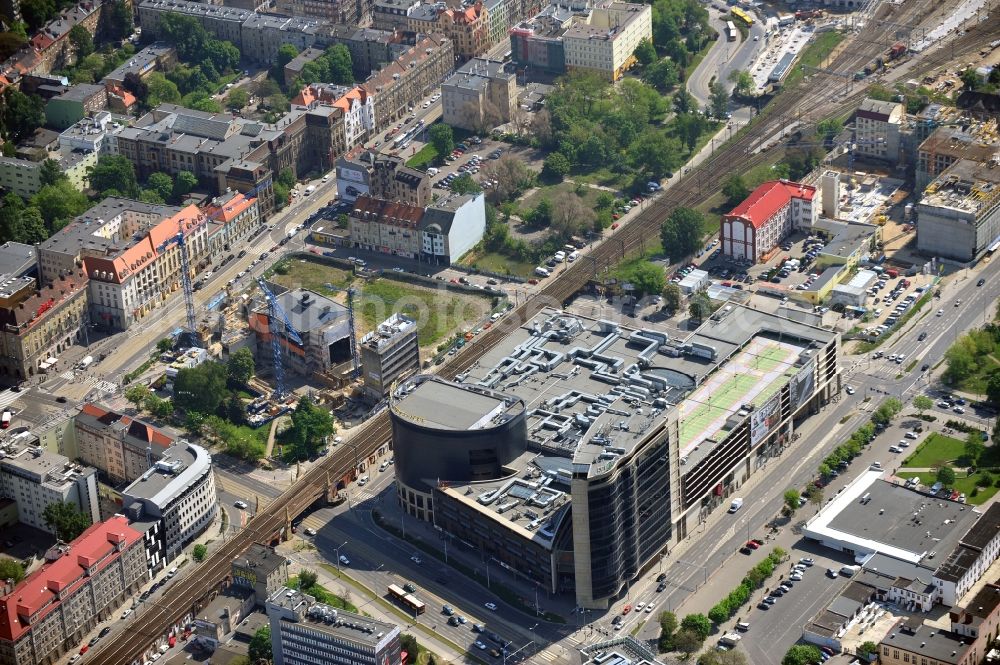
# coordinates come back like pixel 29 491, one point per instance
pixel 182 464
pixel 906 519
pixel 928 641
pixel 16 258
pixel 338 623
pixel 449 406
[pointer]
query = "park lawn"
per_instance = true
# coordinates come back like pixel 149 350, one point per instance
pixel 439 312
pixel 976 382
pixel 603 176
pixel 313 275
pixel 425 157
pixel 962 484
pixel 553 191
pixel 935 450
pixel 497 263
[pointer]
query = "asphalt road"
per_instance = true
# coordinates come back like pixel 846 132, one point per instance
pixel 723 57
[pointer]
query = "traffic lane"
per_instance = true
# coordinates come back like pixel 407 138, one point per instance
pixel 773 631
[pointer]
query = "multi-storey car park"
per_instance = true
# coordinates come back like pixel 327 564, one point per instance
pixel 577 451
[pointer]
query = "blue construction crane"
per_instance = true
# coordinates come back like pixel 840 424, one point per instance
pixel 276 314
pixel 180 239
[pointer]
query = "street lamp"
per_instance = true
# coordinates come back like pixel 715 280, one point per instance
pixel 337 550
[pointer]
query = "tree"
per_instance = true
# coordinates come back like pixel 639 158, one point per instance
pixel 735 190
pixel 993 388
pixel 442 138
pixel 184 184
pixel 37 13
pixel 11 570
pixel 237 99
pixel 671 297
pixel 644 52
pixel 511 176
pixel 730 657
pixel 161 90
pixel 868 649
pixel 260 646
pixel 311 425
pixel 684 103
pixel 49 172
pixel 159 408
pixel 829 128
pixel 307 579
pixel 946 476
pixel 570 216
pixel 743 81
pixel 286 53
pixel 66 520
pixel 815 494
pixel 200 388
pixel 699 624
pixel 235 411
pixel 199 552
pixel 59 203
pixel 647 278
pixel 20 114
pixel 161 183
pixel 687 641
pixel 689 127
pixel 974 447
pixel 114 172
pixel 556 167
pixel 662 75
pixel 240 366
pixel 341 69
pixel 700 306
pixel 921 403
pixel 792 497
pixel 681 234
pixel 802 654
pixel 655 154
pixel 120 23
pixel 718 99
pixel 668 626
pixel 82 40
pixel 137 395
pixel 464 184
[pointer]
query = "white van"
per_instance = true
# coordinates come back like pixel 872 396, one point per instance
pixel 310 189
pixel 172 572
pixel 573 256
pixel 542 272
pixel 432 171
pixel 560 256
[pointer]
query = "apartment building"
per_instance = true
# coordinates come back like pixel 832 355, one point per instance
pixel 130 254
pixel 264 34
pixel 221 21
pixel 21 176
pixel 39 320
pixel 301 628
pixel 173 501
pixel 17 259
pixel 606 42
pixel 465 26
pixel 94 133
pixel 356 105
pixel 393 14
pixel 323 325
pixel 50 48
pixel 158 56
pixel 768 215
pixel 393 180
pixel 233 220
pixel 343 12
pixel 78 102
pixel 80 585
pixel 877 128
pixel 386 226
pixel 536 43
pixel 410 78
pixel 970 558
pixel 354 172
pixel 389 353
pixel 912 641
pixel 120 446
pixel 958 217
pixel 370 49
pixel 261 570
pixel 451 227
pixel 34 478
pixel 479 96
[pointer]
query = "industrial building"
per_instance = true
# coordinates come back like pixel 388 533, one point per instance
pixel 771 212
pixel 261 570
pixel 389 353
pixel 323 325
pixel 958 216
pixel 172 502
pixel 577 450
pixel 80 585
pixel 301 628
pixel 34 478
pixel 877 129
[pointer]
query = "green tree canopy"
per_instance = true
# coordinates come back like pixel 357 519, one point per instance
pixel 700 306
pixel 59 203
pixel 682 232
pixel 699 624
pixel 802 654
pixel 946 476
pixel 735 190
pixel 662 75
pixel 647 278
pixel 240 366
pixel 184 184
pixel 20 114
pixel 199 552
pixel 82 40
pixel 10 569
pixel 137 395
pixel 114 172
pixel 922 402
pixel 719 99
pixel 49 172
pixel 442 138
pixel 668 626
pixel 792 497
pixel 66 520
pixel 687 641
pixel 464 184
pixel 237 99
pixel 556 167
pixel 307 579
pixel 311 425
pixel 200 388
pixel 644 52
pixel 260 645
pixel 161 183
pixel 743 81
pixel 671 297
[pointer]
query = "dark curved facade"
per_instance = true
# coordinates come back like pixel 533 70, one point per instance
pixel 426 452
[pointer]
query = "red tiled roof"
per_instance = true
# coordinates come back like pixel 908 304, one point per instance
pixel 66 573
pixel 231 209
pixel 47 299
pixel 386 212
pixel 769 198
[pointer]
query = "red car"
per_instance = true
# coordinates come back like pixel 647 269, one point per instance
pixel 626 609
pixel 752 545
pixel 614 226
pixel 453 280
pixel 532 281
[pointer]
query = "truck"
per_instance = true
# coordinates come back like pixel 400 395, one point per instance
pixel 310 189
pixel 736 505
pixel 730 640
pixel 897 50
pixel 86 362
pixel 892 272
pixel 848 571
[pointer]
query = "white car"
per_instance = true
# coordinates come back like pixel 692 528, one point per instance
pixel 362 481
pixel 490 606
pixel 649 608
pixel 639 606
pixel 126 614
pixel 940 312
pixel 344 561
pixel 795 577
pixel 911 435
pixel 417 560
pixel 849 390
pixel 242 505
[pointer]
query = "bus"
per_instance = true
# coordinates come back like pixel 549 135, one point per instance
pixel 409 601
pixel 730 31
pixel 742 16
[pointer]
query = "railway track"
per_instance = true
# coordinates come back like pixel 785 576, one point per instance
pixel 742 154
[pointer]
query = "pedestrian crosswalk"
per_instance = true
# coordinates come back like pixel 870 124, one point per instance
pixel 8 397
pixel 102 385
